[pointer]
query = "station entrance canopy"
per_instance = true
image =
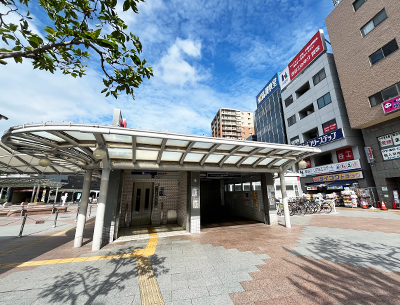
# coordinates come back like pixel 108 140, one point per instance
pixel 70 148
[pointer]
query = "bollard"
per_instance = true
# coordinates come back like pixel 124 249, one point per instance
pixel 90 211
pixel 77 212
pixel 23 225
pixel 53 209
pixel 55 220
pixel 22 211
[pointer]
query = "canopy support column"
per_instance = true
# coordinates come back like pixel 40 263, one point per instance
pixel 80 225
pixel 33 193
pixel 37 193
pixel 55 198
pixel 285 200
pixel 101 207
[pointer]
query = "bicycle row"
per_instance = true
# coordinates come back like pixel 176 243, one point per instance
pixel 302 207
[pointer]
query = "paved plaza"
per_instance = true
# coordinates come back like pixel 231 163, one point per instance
pixel 351 257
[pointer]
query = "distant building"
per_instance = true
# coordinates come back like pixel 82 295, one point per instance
pixel 269 115
pixel 233 124
pixel 365 37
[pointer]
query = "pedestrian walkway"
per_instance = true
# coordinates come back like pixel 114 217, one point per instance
pixel 322 259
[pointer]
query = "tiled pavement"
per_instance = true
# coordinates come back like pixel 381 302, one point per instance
pixel 347 258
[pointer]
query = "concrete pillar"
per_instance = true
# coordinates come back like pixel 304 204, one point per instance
pixel 1 192
pixel 48 197
pixel 101 207
pixel 33 193
pixel 37 193
pixel 80 224
pixel 222 191
pixel 265 202
pixel 285 200
pixel 55 198
pixel 193 202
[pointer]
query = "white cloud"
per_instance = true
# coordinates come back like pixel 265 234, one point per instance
pixel 173 69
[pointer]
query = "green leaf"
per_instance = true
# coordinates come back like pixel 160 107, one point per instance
pixel 18 60
pixel 5 50
pixel 2 62
pixel 13 27
pixel 49 30
pixel 104 90
pixel 127 5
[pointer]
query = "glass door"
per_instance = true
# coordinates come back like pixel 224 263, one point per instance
pixel 141 203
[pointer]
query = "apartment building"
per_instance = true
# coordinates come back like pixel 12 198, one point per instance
pixel 315 115
pixel 365 37
pixel 233 124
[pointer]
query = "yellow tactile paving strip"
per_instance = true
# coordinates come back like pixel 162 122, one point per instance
pixel 38 241
pixel 149 290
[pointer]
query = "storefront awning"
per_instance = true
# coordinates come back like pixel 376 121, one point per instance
pixel 70 147
pixel 339 185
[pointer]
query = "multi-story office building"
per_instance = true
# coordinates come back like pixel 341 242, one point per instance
pixel 233 124
pixel 269 114
pixel 365 37
pixel 315 115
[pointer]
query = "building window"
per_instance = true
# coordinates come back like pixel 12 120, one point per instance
pixel 250 128
pixel 329 126
pixel 357 4
pixel 311 134
pixel 385 95
pixel 250 124
pixel 323 159
pixel 295 140
pixel 383 52
pixel 374 22
pixel 324 100
pixel 291 120
pixel 319 76
pixel 303 89
pixel 306 111
pixel 289 101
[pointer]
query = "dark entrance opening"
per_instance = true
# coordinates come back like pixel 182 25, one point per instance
pixel 216 210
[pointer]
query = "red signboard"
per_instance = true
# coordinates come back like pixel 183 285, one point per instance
pixel 330 127
pixel 310 51
pixel 345 155
pixel 308 161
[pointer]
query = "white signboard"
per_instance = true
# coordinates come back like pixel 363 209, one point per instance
pixel 284 77
pixel 385 141
pixel 331 168
pixel 391 153
pixel 396 138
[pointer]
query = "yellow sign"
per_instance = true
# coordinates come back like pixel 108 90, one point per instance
pixel 339 177
pixel 255 200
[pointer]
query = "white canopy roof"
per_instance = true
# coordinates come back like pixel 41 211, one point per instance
pixel 70 148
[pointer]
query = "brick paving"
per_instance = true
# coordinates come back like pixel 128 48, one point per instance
pixel 347 258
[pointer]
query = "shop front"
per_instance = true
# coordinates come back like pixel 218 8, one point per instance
pixel 338 181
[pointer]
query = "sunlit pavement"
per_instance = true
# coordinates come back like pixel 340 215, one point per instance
pixel 352 257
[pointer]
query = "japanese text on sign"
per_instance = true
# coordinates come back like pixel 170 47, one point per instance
pixel 268 89
pixel 386 140
pixel 325 139
pixel 391 153
pixel 339 177
pixel 330 168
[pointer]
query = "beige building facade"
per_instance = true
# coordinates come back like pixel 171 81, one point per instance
pixel 233 124
pixel 365 38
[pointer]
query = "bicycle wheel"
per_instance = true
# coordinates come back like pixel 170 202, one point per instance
pixel 327 208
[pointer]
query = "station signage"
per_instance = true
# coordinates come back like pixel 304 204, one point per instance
pixel 331 168
pixel 217 175
pixel 325 139
pixel 391 105
pixel 339 177
pixel 269 88
pixel 303 59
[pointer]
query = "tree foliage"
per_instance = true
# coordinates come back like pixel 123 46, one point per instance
pixel 77 30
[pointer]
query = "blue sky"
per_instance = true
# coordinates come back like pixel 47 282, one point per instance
pixel 205 54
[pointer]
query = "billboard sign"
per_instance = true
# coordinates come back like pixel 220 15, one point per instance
pixel 325 139
pixel 303 59
pixel 339 177
pixel 269 88
pixel 391 105
pixel 391 153
pixel 331 168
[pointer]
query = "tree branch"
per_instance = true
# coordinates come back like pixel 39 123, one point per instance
pixel 32 53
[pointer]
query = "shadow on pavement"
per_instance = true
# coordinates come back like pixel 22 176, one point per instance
pixel 354 276
pixel 101 284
